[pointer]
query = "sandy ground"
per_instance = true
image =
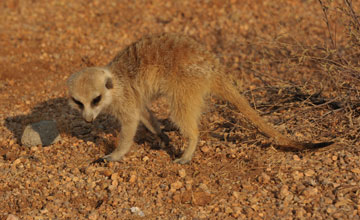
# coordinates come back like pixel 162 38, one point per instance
pixel 299 73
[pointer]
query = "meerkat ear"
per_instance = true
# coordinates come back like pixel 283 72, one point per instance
pixel 109 83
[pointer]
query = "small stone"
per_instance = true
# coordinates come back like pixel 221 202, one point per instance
pixel 338 215
pixel 202 142
pixel 93 215
pixel 137 211
pixel 107 173
pixel 284 191
pixel 114 176
pixel 202 216
pixel 341 202
pixel 236 194
pixel 34 148
pixel 253 199
pixel 175 186
pixel 310 192
pixel 10 156
pixel 228 210
pixel 11 142
pixel 205 149
pixel 177 198
pixel 186 197
pixel 300 213
pixel 355 170
pixel 327 200
pixel 16 162
pixel 12 217
pixel 132 178
pixel 146 158
pixel 201 198
pixel 41 133
pixel 237 212
pixel 89 170
pixel 334 157
pixel 296 158
pixel 331 209
pixel 216 209
pixel 297 175
pixel 110 164
pixel 188 184
pixel 114 183
pixel 309 173
pixel 203 186
pixel 182 173
pixel 264 178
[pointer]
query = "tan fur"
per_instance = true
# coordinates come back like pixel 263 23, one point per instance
pixel 169 65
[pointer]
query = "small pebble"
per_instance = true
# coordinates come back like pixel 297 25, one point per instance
pixel 205 149
pixel 132 179
pixel 296 158
pixel 309 172
pixel 137 211
pixel 175 186
pixel 182 173
pixel 146 158
pixel 284 191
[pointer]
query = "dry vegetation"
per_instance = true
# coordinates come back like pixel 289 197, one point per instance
pixel 296 61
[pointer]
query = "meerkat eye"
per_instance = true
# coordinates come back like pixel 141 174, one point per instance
pixel 81 106
pixel 96 101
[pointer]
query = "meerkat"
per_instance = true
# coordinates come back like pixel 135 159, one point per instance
pixel 169 65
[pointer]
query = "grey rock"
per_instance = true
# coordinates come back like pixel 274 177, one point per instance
pixel 12 217
pixel 42 132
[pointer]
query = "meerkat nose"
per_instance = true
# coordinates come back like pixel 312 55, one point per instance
pixel 88 118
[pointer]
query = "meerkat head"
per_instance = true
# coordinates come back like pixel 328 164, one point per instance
pixel 90 91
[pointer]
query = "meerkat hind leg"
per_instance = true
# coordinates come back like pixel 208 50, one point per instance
pixel 186 118
pixel 153 125
pixel 150 122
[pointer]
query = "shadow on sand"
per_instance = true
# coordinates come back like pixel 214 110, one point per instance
pixel 70 122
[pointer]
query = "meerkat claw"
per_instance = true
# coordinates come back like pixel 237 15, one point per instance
pixel 98 161
pixel 182 160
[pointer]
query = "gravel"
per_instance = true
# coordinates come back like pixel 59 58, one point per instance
pixel 236 173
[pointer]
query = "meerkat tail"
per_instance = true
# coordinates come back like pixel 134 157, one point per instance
pixel 227 91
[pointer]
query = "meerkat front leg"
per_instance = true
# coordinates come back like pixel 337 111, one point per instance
pixel 129 123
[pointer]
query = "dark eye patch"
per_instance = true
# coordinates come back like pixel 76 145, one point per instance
pixel 81 106
pixel 96 101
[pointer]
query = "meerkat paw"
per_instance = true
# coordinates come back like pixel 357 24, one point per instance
pixel 109 157
pixel 99 160
pixel 182 160
pixel 161 141
pixel 164 139
pixel 112 157
pixel 158 143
